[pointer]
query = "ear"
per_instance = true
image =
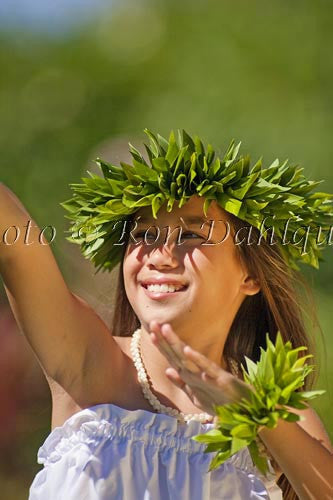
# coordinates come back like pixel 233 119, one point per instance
pixel 249 286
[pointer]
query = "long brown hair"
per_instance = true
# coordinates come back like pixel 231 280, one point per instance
pixel 278 306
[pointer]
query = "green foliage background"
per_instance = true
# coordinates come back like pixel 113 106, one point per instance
pixel 260 72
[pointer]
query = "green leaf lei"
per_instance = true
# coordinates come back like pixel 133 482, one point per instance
pixel 179 168
pixel 274 379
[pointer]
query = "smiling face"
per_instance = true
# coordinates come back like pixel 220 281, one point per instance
pixel 216 281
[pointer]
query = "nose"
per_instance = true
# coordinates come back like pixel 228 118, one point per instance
pixel 163 255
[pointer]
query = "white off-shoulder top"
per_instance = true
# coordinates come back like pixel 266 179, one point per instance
pixel 106 452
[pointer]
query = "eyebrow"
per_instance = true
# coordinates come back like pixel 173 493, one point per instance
pixel 191 219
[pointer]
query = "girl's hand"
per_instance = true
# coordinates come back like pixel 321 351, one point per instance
pixel 205 382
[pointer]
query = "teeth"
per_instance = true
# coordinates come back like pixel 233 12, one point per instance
pixel 163 288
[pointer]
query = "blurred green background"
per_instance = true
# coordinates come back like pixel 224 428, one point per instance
pixel 81 82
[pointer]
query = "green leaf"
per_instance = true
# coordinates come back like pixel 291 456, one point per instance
pixel 156 204
pixel 213 447
pixel 238 444
pixel 146 173
pixel 199 147
pixel 232 205
pixel 136 154
pixel 160 164
pixel 244 186
pixel 312 394
pixel 259 461
pixel 292 417
pixel 242 431
pixel 210 154
pixel 173 149
pixel 187 140
pixel 163 143
pixel 154 145
pixel 212 436
pixel 219 459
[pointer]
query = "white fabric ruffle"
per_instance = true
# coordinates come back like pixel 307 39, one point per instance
pixel 110 453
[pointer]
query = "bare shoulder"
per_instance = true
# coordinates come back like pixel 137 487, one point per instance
pixel 314 426
pixel 124 344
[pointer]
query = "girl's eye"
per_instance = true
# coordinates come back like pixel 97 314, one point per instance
pixel 195 235
pixel 141 234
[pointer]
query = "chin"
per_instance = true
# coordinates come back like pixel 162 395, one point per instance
pixel 175 320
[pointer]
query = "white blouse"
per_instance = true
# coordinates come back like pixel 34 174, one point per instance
pixel 110 453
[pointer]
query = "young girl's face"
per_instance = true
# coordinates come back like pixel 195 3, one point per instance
pixel 215 280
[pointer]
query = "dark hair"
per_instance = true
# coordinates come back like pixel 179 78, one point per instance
pixel 278 305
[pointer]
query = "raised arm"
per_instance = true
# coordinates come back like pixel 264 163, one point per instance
pixel 69 339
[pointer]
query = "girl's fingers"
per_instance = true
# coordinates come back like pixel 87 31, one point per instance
pixel 163 345
pixel 171 349
pixel 173 375
pixel 173 340
pixel 155 327
pixel 204 381
pixel 178 347
pixel 205 364
pixel 180 355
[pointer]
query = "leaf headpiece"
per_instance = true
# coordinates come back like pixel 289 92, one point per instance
pixel 178 168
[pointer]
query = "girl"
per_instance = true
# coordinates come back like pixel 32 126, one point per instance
pixel 127 402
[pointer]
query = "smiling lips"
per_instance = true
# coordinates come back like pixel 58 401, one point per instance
pixel 155 291
pixel 160 287
pixel 164 287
